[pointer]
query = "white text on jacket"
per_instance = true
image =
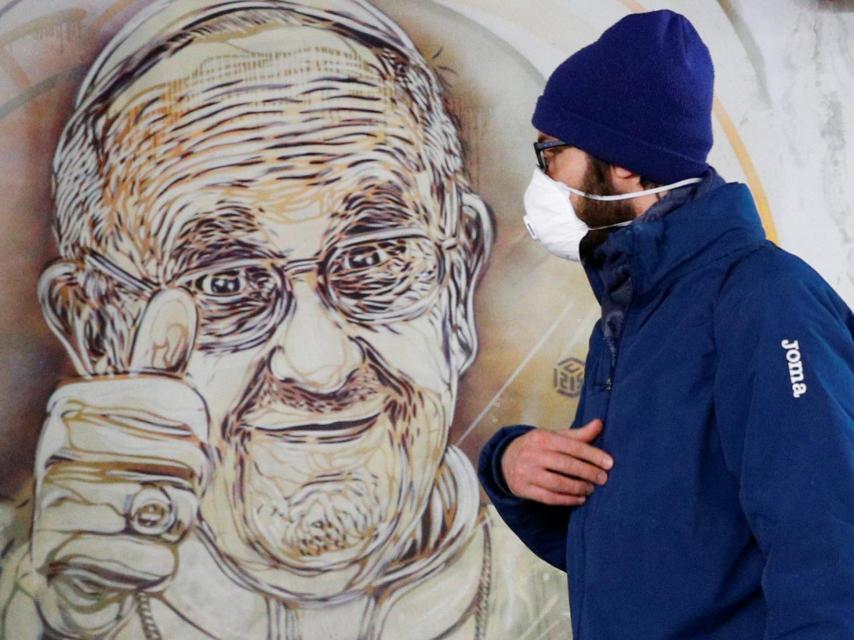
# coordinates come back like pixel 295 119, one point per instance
pixel 796 367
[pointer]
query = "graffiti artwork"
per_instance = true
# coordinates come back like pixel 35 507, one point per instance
pixel 268 252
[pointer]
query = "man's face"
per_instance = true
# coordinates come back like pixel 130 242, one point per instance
pixel 287 194
pixel 573 167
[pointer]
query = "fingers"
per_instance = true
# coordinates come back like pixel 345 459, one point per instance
pixel 571 466
pixel 122 421
pixel 587 433
pixel 122 440
pixel 149 398
pixel 122 562
pixel 119 467
pixel 567 443
pixel 84 587
pixel 559 483
pixel 73 499
pixel 554 469
pixel 550 497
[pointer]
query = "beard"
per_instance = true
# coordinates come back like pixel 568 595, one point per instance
pixel 600 213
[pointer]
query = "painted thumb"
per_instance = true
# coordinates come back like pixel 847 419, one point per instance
pixel 166 333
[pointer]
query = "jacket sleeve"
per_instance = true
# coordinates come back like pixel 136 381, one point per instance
pixel 784 402
pixel 541 527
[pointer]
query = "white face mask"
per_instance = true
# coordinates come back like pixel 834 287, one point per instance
pixel 550 216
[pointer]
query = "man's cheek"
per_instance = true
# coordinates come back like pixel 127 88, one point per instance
pixel 414 348
pixel 222 379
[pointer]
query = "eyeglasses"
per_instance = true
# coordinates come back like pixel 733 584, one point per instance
pixel 386 277
pixel 540 149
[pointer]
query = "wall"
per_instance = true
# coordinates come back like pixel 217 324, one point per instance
pixel 171 500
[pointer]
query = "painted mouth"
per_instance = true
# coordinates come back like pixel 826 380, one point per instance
pixel 326 431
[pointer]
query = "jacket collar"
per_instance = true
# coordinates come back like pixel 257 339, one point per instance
pixel 691 227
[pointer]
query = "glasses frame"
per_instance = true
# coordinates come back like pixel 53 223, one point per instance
pixel 289 269
pixel 540 149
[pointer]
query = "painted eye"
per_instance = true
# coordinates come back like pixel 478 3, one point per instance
pixel 365 257
pixel 226 283
pixel 385 280
pixel 238 305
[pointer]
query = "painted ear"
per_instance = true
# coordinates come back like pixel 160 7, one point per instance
pixel 106 332
pixel 62 301
pixel 476 238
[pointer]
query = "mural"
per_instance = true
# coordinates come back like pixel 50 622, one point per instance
pixel 268 253
pixel 266 291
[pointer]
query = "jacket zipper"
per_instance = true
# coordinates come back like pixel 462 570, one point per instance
pixel 609 387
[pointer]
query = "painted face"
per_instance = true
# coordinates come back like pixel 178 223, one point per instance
pixel 289 192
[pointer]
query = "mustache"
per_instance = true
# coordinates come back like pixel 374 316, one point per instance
pixel 373 376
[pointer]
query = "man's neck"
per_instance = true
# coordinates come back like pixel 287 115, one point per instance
pixel 642 204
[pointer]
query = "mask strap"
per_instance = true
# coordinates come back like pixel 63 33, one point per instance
pixel 609 226
pixel 636 194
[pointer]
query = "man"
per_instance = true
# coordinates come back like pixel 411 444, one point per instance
pixel 709 489
pixel 269 248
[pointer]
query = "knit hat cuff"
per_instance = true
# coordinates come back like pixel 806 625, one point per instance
pixel 653 162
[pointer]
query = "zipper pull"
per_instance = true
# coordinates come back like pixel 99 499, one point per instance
pixel 608 384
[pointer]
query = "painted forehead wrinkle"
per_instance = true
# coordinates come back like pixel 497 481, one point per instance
pixel 264 136
pixel 97 205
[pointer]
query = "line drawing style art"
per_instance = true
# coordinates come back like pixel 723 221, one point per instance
pixel 268 254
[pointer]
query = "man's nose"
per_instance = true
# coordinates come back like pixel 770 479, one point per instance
pixel 312 350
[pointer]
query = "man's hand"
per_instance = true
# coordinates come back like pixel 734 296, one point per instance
pixel 121 464
pixel 556 467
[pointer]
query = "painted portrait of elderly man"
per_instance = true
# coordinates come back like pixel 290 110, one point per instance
pixel 268 256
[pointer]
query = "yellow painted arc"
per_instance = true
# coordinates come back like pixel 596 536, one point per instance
pixel 55 18
pixel 740 150
pixel 8 63
pixel 749 169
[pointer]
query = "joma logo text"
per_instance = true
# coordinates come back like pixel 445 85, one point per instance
pixel 796 367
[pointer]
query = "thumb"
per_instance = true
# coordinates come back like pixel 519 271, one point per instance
pixel 166 334
pixel 586 433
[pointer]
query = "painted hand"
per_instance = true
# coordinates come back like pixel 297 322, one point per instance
pixel 120 466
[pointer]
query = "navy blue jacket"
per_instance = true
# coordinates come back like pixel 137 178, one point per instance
pixel 724 374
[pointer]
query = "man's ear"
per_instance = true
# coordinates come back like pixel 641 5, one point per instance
pixel 61 300
pixel 624 180
pixel 475 242
pixel 104 333
pixel 91 319
pixel 621 172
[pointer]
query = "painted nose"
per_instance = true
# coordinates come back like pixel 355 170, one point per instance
pixel 312 349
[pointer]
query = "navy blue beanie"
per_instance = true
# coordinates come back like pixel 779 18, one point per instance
pixel 639 97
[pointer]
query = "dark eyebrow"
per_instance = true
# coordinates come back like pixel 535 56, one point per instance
pixel 206 256
pixel 213 237
pixel 377 206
